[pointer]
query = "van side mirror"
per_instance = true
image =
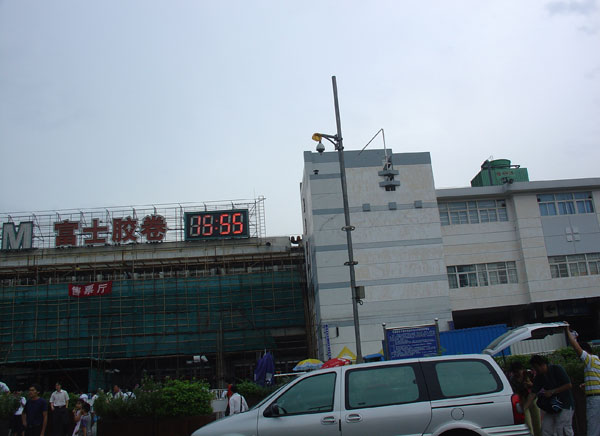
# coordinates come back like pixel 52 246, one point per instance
pixel 273 411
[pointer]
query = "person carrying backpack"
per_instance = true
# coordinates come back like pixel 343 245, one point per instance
pixel 237 403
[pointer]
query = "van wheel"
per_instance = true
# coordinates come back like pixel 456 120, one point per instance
pixel 459 432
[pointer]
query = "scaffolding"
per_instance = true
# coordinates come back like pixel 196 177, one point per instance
pixel 159 308
pixel 44 231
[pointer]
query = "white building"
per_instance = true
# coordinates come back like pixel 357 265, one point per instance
pixel 512 253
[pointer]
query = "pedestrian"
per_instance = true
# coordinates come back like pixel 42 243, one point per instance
pixel 552 387
pixel 237 403
pixel 77 412
pixel 117 392
pixel 85 421
pixel 94 398
pixel 128 395
pixel 35 413
pixel 59 402
pixel 4 387
pixel 93 416
pixel 225 395
pixel 591 375
pixel 16 425
pixel 522 381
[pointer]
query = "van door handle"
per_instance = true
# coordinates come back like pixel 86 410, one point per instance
pixel 328 420
pixel 353 417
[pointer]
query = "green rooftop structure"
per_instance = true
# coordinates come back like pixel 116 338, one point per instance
pixel 499 172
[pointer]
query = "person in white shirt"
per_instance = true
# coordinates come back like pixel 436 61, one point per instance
pixel 237 403
pixel 77 413
pixel 17 420
pixel 117 392
pixel 94 418
pixel 94 398
pixel 59 402
pixel 3 387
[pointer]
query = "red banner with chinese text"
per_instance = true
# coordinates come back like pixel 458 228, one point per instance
pixel 90 290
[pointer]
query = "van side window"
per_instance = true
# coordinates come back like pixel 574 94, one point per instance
pixel 459 378
pixel 382 386
pixel 310 395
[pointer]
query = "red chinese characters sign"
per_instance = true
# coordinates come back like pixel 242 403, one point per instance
pixel 152 227
pixel 90 290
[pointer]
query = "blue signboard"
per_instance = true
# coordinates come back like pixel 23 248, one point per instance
pixel 403 343
pixel 328 341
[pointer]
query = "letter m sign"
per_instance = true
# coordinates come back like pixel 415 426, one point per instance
pixel 17 238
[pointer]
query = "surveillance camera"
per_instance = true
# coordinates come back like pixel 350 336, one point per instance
pixel 320 147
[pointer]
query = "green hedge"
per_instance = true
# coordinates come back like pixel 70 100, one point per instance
pixel 566 357
pixel 172 398
pixel 9 404
pixel 251 390
pixel 255 393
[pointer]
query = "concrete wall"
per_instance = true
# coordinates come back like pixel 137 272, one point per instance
pixel 528 239
pixel 403 251
pixel 397 244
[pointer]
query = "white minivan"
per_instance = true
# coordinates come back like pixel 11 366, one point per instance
pixel 465 395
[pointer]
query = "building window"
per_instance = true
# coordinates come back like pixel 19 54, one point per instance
pixel 574 265
pixel 482 274
pixel 472 212
pixel 568 203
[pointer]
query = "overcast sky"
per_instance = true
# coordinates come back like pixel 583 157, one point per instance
pixel 110 103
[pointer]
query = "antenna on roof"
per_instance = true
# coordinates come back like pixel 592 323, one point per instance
pixel 387 159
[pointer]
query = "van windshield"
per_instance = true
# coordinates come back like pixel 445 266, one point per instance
pixel 271 395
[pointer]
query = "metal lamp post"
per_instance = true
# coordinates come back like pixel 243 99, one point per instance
pixel 336 140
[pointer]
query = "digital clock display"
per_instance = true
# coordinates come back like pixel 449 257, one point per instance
pixel 221 224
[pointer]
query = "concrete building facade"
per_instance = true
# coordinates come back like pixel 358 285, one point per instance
pixel 548 240
pixel 514 253
pixel 397 243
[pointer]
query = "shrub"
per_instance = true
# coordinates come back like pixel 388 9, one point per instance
pixel 251 390
pixel 568 359
pixel 8 405
pixel 255 393
pixel 506 362
pixel 72 400
pixel 565 357
pixel 184 398
pixel 114 408
pixel 148 398
pixel 173 398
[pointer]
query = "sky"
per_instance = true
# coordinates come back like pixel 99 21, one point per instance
pixel 137 102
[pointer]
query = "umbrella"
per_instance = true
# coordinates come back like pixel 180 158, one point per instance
pixel 337 361
pixel 308 364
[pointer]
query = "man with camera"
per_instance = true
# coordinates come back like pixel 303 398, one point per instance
pixel 552 387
